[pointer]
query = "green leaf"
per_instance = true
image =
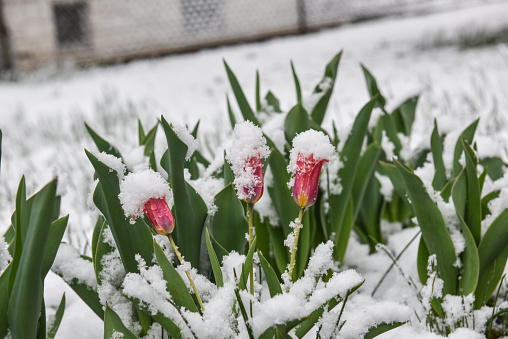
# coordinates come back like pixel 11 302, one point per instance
pixel 174 282
pixel 396 178
pixel 228 173
pixel 217 272
pixel 102 145
pixel 407 111
pixel 302 254
pixel 4 300
pixel 99 224
pixel 382 328
pixel 496 167
pixel 247 112
pixel 297 121
pixel 470 261
pixel 279 250
pixel 231 114
pixel 113 325
pixel 437 154
pixel 88 295
pixel 102 250
pixel 141 132
pixel 258 93
pixel 167 324
pixel 190 210
pixel 488 198
pixel 307 324
pixel 58 318
pixel 473 213
pixel 130 239
pixel 244 314
pixel 350 159
pixel 319 110
pixel 342 237
pixel 272 101
pixel 228 225
pixel 434 230
pixel 271 278
pixel 280 194
pixel 365 172
pixel 390 127
pixel 422 261
pixel 468 135
pixel 242 284
pixel 20 224
pixel 27 292
pixel 372 88
pixel 56 232
pixel 297 84
pixel 493 253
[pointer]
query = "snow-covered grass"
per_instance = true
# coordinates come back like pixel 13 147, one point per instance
pixel 44 135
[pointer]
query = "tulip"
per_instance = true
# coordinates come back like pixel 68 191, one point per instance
pixel 306 184
pixel 157 210
pixel 253 191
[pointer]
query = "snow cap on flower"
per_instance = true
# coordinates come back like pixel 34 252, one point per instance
pixel 245 156
pixel 139 187
pixel 311 149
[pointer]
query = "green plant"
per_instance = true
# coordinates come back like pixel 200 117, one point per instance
pixel 32 243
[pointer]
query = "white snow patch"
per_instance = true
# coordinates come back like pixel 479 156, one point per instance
pixel 186 137
pixel 114 163
pixel 72 268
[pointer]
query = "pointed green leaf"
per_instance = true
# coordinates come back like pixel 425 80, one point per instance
pixel 130 239
pixel 325 88
pixel 258 93
pixel 342 237
pixel 174 282
pixel 228 225
pixel 493 253
pixel 297 84
pixel 217 272
pixel 99 224
pixel 496 167
pixel 350 159
pixel 244 278
pixel 468 135
pixel 228 173
pixel 473 215
pixel 190 210
pixel 407 111
pixel 271 278
pixel 280 194
pixel 56 232
pixel 372 87
pixel 297 121
pixel 231 115
pixel 247 112
pixel 244 314
pixel 434 230
pixel 470 262
pixel 422 261
pixel 141 132
pixel 20 224
pixel 4 300
pixel 437 154
pixel 366 167
pixel 102 145
pixel 272 101
pixel 27 292
pixel 382 328
pixel 396 178
pixel 113 326
pixel 58 318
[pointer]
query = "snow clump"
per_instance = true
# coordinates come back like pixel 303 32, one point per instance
pixel 310 142
pixel 186 137
pixel 248 142
pixel 114 163
pixel 5 256
pixel 139 187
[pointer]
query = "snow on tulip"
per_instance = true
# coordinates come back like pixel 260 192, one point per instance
pixel 245 156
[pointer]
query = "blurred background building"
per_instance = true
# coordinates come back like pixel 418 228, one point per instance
pixel 34 33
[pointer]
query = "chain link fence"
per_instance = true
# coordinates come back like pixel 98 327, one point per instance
pixel 37 32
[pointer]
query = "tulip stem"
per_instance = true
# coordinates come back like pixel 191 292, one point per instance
pixel 293 250
pixel 251 221
pixel 179 256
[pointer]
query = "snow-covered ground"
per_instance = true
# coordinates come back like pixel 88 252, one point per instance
pixel 43 133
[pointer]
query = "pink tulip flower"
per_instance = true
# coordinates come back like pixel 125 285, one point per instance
pixel 306 184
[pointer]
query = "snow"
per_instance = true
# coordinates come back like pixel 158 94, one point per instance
pixel 139 187
pixel 114 163
pixel 311 142
pixel 71 267
pixel 248 143
pixel 5 256
pixel 184 135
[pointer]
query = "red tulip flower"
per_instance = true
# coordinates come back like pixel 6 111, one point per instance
pixel 253 190
pixel 306 184
pixel 157 210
